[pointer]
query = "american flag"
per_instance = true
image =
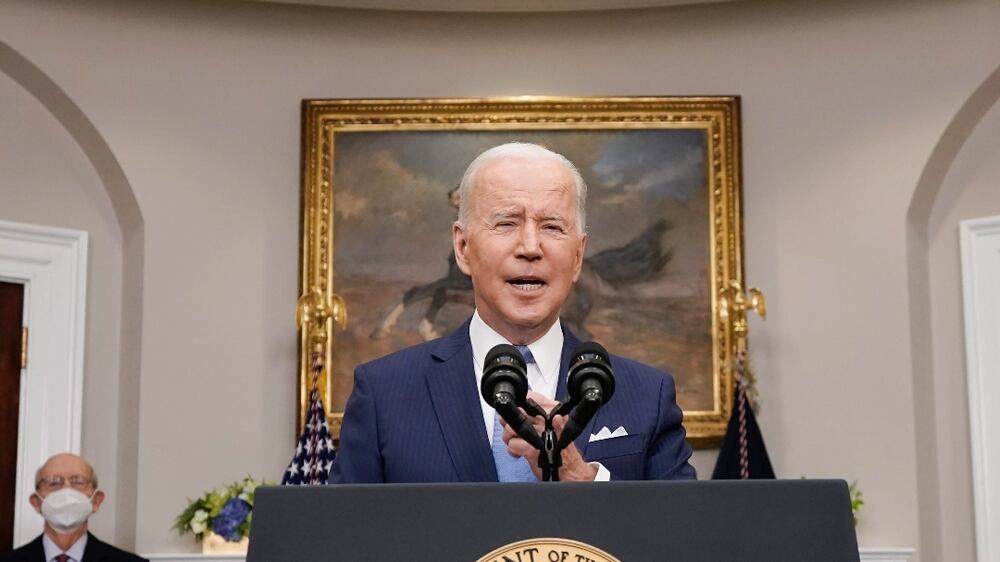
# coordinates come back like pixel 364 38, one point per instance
pixel 315 451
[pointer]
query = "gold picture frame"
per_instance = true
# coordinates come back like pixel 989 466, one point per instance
pixel 664 219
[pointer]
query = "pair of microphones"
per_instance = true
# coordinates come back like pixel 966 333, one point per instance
pixel 590 383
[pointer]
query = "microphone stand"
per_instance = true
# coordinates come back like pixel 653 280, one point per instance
pixel 549 453
pixel 549 447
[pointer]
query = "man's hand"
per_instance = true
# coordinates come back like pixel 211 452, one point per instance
pixel 573 465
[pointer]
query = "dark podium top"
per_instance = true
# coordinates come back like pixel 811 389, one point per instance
pixel 772 520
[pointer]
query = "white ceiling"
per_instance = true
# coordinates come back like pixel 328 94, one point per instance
pixel 494 5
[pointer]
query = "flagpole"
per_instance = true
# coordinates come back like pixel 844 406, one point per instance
pixel 312 313
pixel 733 304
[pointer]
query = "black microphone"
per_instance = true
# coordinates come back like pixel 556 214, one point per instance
pixel 590 383
pixel 590 375
pixel 505 376
pixel 505 388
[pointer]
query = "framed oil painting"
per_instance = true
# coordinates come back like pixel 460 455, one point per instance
pixel 663 214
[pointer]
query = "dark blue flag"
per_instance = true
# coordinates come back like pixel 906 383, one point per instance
pixel 743 454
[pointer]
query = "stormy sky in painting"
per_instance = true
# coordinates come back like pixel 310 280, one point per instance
pixel 392 216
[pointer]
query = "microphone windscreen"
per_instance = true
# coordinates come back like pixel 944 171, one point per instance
pixel 504 367
pixel 506 355
pixel 589 350
pixel 590 365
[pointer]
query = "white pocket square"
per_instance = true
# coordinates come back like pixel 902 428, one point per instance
pixel 606 433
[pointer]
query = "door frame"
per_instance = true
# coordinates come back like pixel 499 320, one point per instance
pixel 51 263
pixel 980 246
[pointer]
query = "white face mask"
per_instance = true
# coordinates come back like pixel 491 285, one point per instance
pixel 66 509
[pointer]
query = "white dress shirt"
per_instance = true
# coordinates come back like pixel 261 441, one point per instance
pixel 75 552
pixel 543 374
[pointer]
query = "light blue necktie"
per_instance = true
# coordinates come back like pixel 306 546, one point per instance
pixel 510 469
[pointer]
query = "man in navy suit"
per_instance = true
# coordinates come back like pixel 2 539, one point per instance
pixel 417 415
pixel 66 495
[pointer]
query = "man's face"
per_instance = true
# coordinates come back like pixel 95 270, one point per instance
pixel 521 245
pixel 73 472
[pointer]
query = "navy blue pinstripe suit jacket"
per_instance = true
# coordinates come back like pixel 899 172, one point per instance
pixel 415 416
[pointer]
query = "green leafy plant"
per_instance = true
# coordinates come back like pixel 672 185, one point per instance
pixel 857 501
pixel 226 511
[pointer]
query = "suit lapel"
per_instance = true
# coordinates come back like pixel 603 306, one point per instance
pixel 570 344
pixel 34 550
pixel 455 398
pixel 94 551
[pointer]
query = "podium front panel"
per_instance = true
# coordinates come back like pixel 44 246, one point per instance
pixel 807 520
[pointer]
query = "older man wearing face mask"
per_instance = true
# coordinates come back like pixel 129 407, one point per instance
pixel 66 495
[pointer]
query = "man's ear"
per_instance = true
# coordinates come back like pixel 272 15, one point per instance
pixel 461 246
pixel 36 502
pixel 581 251
pixel 97 500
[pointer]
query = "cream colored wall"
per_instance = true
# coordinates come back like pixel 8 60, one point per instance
pixel 842 104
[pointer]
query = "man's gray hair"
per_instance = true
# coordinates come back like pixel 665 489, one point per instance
pixel 524 150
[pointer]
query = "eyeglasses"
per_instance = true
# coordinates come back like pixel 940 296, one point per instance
pixel 58 482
